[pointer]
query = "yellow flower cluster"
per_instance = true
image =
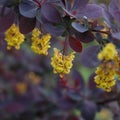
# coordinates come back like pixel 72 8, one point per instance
pixel 105 73
pixel 13 37
pixel 108 52
pixel 105 76
pixel 61 63
pixel 40 43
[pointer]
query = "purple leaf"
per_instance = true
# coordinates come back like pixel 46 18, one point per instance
pixel 93 89
pixel 89 56
pixel 115 38
pixel 62 99
pixel 54 30
pixel 79 4
pixel 75 44
pixel 6 20
pixel 85 37
pixel 107 16
pixel 91 83
pixel 116 35
pixel 28 8
pixel 26 24
pixel 50 12
pixel 79 27
pixel 78 80
pixel 40 17
pixel 88 110
pixel 66 103
pixel 90 11
pixel 114 9
pixel 73 7
pixel 74 95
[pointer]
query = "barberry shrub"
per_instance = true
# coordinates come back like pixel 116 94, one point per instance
pixel 59 59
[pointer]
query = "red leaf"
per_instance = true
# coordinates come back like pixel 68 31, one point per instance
pixel 75 44
pixel 26 24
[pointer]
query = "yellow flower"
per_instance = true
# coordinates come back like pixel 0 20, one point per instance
pixel 105 75
pixel 35 79
pixel 40 43
pixel 62 64
pixel 35 34
pixel 13 37
pixel 21 87
pixel 108 52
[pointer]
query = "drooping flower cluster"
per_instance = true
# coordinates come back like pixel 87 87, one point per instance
pixel 106 72
pixel 40 43
pixel 105 77
pixel 13 37
pixel 61 63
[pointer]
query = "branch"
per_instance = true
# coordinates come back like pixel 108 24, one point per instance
pixel 107 100
pixel 104 32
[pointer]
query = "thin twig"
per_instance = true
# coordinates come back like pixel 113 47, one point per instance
pixel 104 32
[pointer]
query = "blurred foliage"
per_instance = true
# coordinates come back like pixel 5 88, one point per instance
pixel 106 2
pixel 28 88
pixel 104 114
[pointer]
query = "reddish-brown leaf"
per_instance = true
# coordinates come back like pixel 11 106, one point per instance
pixel 26 25
pixel 75 44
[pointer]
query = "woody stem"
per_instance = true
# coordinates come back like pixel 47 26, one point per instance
pixel 65 44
